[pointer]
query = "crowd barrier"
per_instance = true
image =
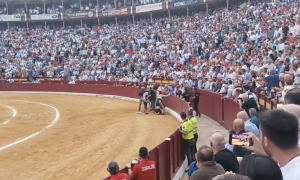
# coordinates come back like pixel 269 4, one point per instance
pixel 169 155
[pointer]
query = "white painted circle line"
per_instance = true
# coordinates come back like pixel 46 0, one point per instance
pixel 31 136
pixel 13 115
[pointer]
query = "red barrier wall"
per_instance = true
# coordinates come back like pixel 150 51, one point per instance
pixel 168 155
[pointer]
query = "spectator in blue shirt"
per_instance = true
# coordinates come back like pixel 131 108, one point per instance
pixel 190 83
pixel 193 168
pixel 272 80
pixel 248 76
pixel 170 90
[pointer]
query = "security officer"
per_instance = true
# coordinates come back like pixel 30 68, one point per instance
pixel 196 101
pixel 193 120
pixel 187 130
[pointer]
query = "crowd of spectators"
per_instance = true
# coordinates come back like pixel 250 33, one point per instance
pixel 37 9
pixel 108 4
pixel 145 2
pixel 54 9
pixel 80 8
pixel 260 48
pixel 3 10
pixel 271 151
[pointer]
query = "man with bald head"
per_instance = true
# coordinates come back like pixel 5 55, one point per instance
pixel 293 109
pixel 113 169
pixel 239 129
pixel 223 156
pixel 208 167
pixel 249 126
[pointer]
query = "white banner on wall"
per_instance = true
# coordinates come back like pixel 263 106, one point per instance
pixel 15 17
pixel 44 16
pixel 149 7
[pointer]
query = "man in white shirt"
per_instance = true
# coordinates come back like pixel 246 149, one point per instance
pixel 297 72
pixel 281 45
pixel 279 135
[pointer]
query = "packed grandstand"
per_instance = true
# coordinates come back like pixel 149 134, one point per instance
pixel 242 47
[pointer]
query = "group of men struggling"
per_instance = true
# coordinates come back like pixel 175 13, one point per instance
pixel 154 98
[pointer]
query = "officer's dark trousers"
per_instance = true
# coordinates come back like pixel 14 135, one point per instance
pixel 196 108
pixel 189 148
pixel 196 139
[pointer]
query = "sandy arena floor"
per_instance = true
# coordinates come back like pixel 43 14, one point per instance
pixel 89 133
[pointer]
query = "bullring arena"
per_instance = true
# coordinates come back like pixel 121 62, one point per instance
pixel 65 137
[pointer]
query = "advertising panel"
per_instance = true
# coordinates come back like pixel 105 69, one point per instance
pixel 114 12
pixel 149 7
pixel 81 15
pixel 15 17
pixel 180 3
pixel 44 16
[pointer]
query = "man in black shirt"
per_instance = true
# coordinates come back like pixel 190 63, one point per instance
pixel 287 65
pixel 196 102
pixel 186 95
pixel 223 156
pixel 248 103
pixel 153 98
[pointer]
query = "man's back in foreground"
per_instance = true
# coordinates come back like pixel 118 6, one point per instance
pixel 145 170
pixel 209 168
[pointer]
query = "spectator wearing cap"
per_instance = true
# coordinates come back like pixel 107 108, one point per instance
pixel 279 134
pixel 223 156
pixel 145 169
pixel 239 129
pixel 249 126
pixel 208 167
pixel 113 169
pixel 254 166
